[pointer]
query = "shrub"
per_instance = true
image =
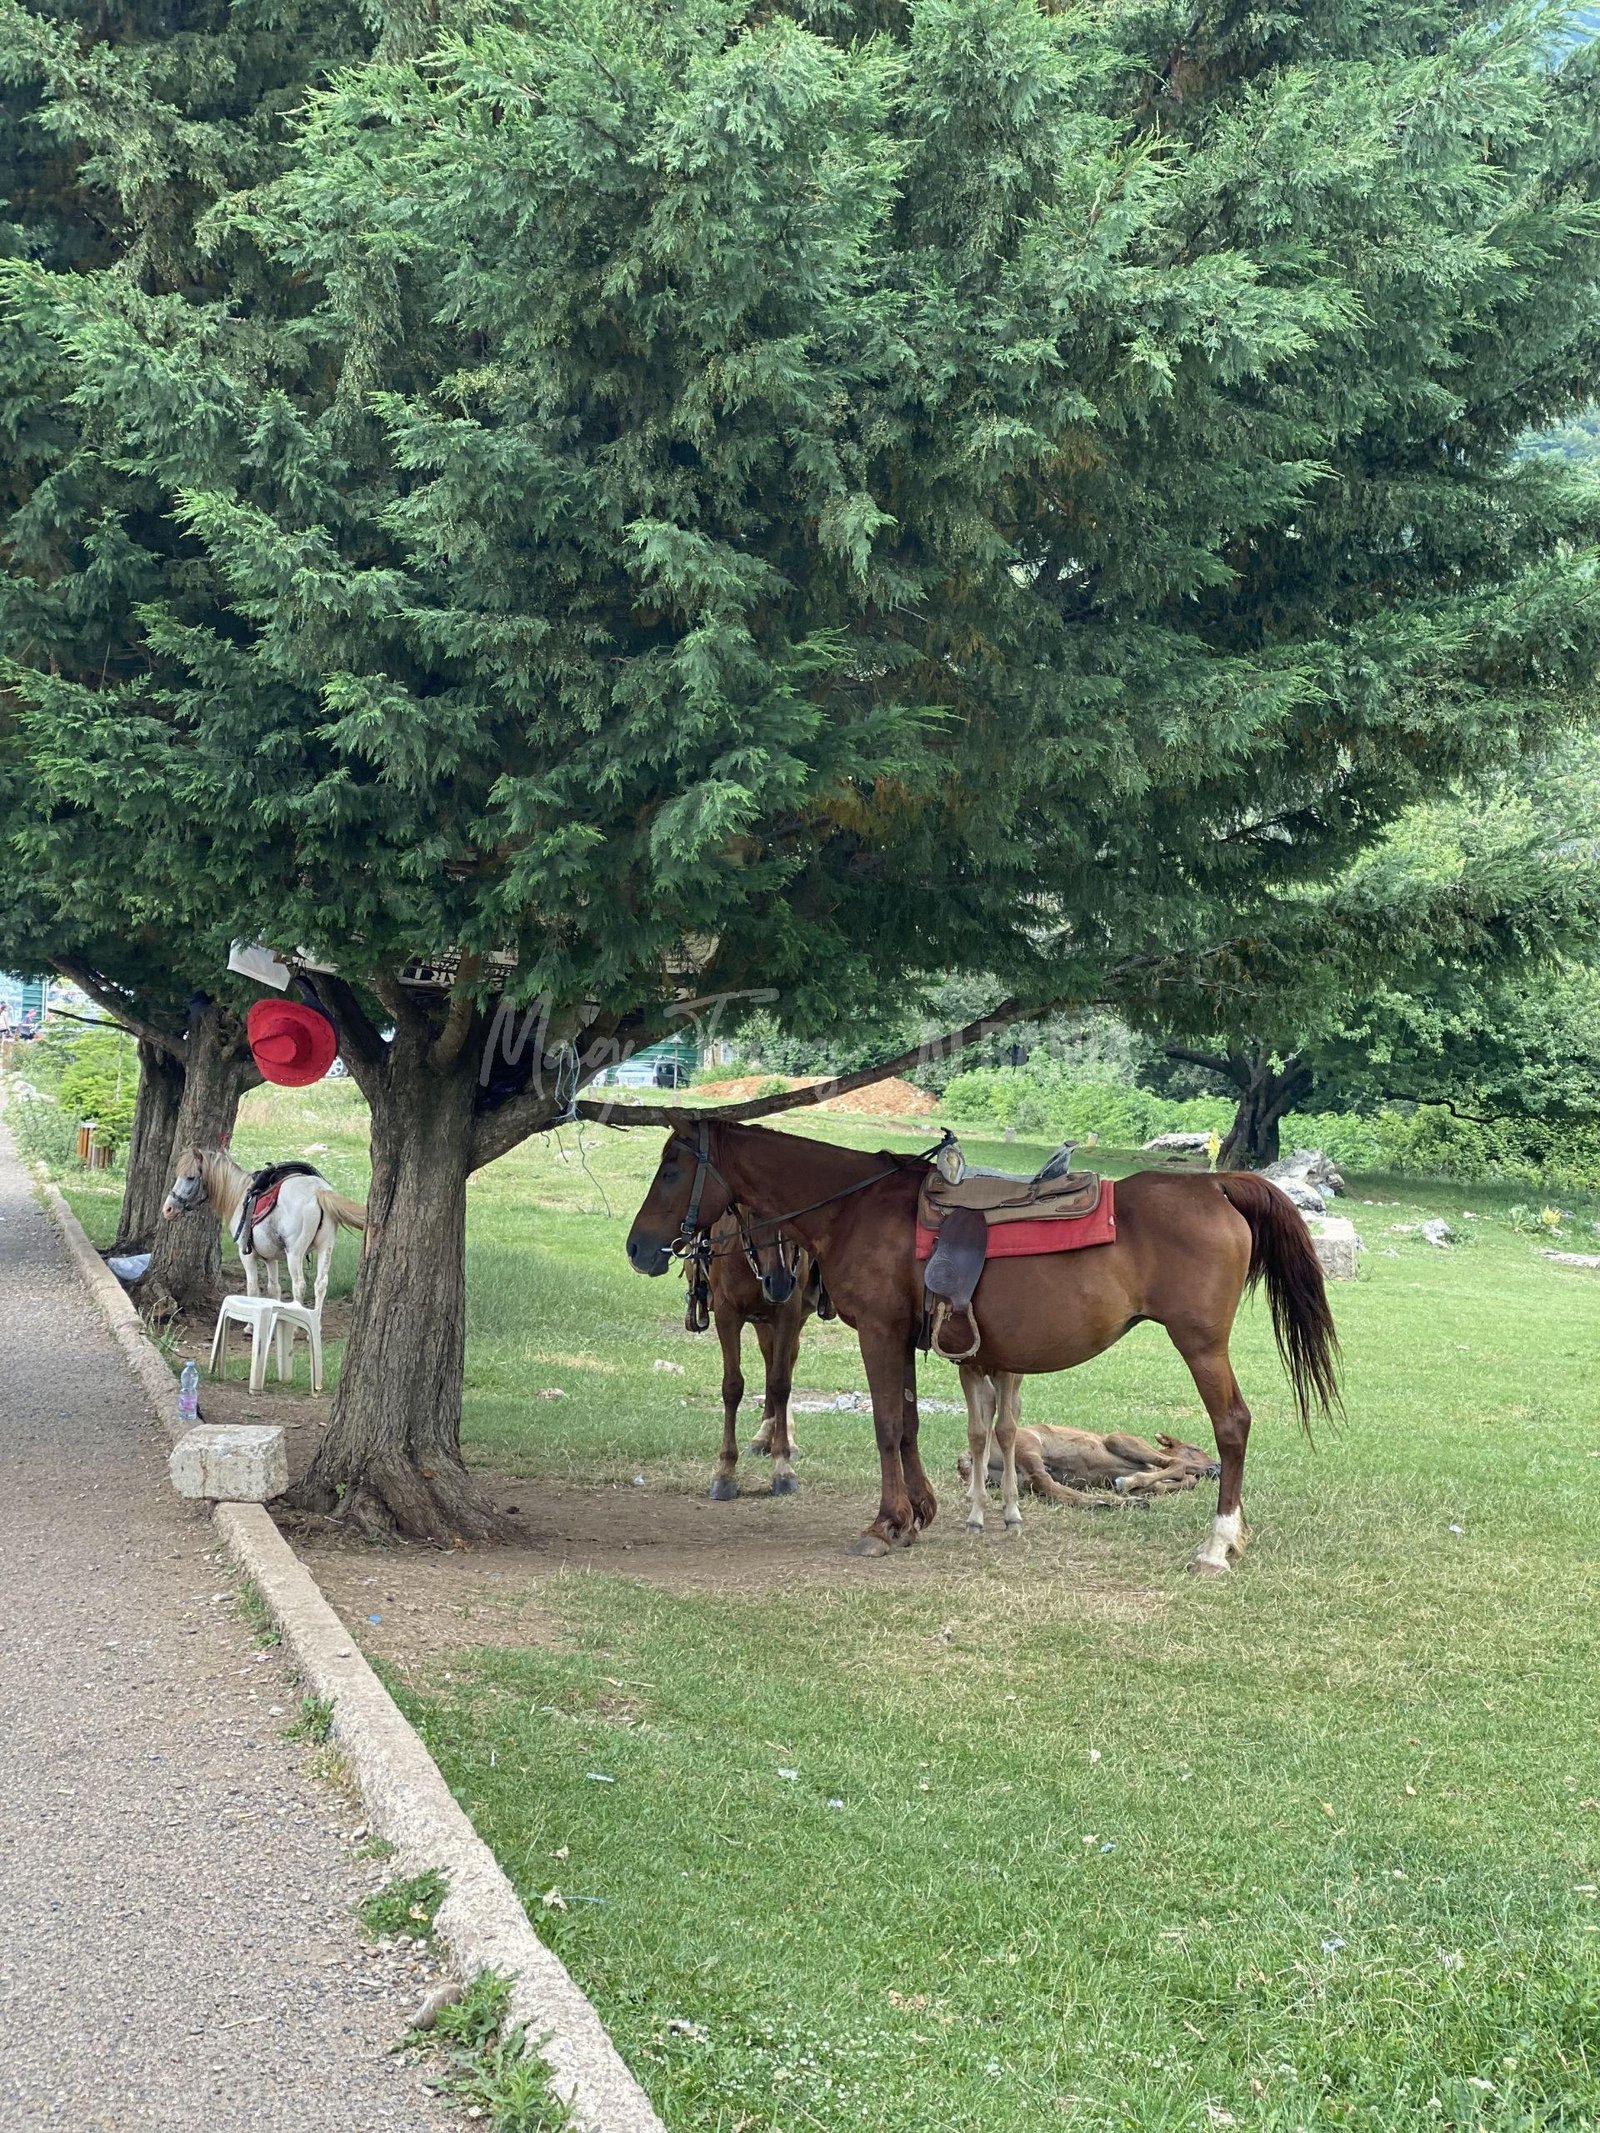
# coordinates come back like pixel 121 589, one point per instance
pixel 102 1082
pixel 1046 1098
pixel 1423 1141
pixel 43 1133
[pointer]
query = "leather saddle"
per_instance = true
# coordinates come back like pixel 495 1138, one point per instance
pixel 960 1215
pixel 261 1197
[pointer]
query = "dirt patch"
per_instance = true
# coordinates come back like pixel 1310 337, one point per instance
pixel 413 1606
pixel 886 1099
pixel 743 1086
pixel 890 1099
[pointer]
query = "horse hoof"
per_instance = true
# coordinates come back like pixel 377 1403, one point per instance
pixel 974 1526
pixel 868 1544
pixel 724 1489
pixel 785 1485
pixel 1201 1566
pixel 1013 1525
pixel 757 1449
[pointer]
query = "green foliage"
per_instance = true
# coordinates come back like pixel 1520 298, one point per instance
pixel 315 1722
pixel 101 1082
pixel 44 1134
pixel 404 1906
pixel 1444 965
pixel 978 484
pixel 486 2068
pixel 1419 1141
pixel 1047 1097
pixel 50 1054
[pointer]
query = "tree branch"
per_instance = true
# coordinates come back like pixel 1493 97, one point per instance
pixel 1446 1103
pixel 364 1050
pixel 448 1046
pixel 1212 1062
pixel 497 1132
pixel 116 1005
pixel 1007 1012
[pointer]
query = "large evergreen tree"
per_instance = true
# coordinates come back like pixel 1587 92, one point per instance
pixel 723 496
pixel 73 901
pixel 1443 966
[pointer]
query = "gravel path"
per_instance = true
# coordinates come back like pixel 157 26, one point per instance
pixel 176 1944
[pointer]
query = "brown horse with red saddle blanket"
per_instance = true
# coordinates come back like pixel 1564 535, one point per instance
pixel 1187 1246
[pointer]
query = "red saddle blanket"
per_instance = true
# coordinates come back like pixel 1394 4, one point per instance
pixel 1026 1240
pixel 262 1207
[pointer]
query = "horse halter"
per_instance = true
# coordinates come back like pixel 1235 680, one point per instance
pixel 189 1192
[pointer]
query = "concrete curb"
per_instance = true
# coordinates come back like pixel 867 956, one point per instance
pixel 481 1920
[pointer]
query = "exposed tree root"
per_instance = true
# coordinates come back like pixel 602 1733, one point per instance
pixel 439 1505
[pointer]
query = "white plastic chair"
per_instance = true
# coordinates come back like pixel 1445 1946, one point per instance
pixel 273 1324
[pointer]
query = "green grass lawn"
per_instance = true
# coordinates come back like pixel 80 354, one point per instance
pixel 1048 1834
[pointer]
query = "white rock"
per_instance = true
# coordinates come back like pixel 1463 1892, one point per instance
pixel 230 1463
pixel 1305 1196
pixel 1182 1143
pixel 1438 1232
pixel 1309 1165
pixel 1338 1246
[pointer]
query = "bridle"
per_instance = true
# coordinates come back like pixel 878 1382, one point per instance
pixel 693 1241
pixel 190 1192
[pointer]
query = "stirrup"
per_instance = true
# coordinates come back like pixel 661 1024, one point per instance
pixel 941 1313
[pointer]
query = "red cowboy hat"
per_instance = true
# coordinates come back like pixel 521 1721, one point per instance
pixel 291 1044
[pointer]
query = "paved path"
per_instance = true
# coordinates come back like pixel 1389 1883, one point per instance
pixel 176 1947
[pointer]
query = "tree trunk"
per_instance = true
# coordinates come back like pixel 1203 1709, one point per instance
pixel 186 1264
pixel 150 1150
pixel 1266 1097
pixel 391 1457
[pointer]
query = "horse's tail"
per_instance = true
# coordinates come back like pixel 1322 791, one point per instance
pixel 349 1214
pixel 1282 1254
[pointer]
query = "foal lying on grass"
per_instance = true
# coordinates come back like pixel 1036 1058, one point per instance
pixel 1075 1466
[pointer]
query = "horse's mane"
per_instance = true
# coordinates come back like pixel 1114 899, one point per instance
pixel 897 1158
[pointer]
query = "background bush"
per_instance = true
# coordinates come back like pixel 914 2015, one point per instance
pixel 44 1133
pixel 1424 1140
pixel 101 1082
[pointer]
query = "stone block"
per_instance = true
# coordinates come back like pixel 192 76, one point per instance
pixel 230 1463
pixel 1338 1246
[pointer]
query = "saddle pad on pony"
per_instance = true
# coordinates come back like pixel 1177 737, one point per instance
pixel 261 1194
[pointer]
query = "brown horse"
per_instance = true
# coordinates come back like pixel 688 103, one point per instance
pixel 1187 1247
pixel 770 1284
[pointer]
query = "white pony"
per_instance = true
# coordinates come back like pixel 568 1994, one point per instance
pixel 305 1212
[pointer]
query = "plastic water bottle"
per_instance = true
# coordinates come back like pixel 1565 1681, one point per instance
pixel 189 1394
